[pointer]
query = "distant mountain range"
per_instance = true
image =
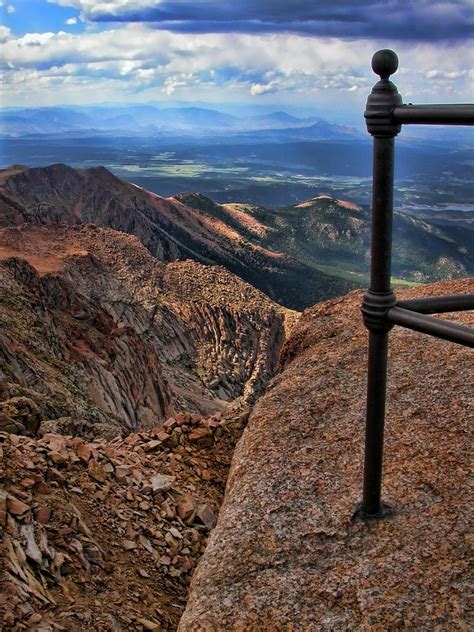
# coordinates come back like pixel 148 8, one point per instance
pixel 297 255
pixel 146 120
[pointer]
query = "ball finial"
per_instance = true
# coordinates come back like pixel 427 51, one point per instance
pixel 385 63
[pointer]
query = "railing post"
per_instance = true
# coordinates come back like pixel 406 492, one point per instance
pixel 379 298
pixel 384 115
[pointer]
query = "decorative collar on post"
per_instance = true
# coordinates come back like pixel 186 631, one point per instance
pixel 384 96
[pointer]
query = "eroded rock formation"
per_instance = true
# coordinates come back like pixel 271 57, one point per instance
pixel 95 329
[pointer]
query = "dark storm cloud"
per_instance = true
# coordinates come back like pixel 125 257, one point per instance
pixel 400 19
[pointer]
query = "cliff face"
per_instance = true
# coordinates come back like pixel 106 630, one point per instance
pixel 287 553
pixel 69 349
pixel 97 330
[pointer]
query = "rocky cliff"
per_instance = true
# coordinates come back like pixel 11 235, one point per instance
pixel 287 552
pixel 131 376
pixel 97 331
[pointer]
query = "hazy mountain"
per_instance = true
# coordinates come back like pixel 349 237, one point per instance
pixel 278 120
pixel 321 130
pixel 17 122
pixel 43 121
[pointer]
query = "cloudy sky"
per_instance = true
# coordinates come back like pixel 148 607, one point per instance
pixel 307 52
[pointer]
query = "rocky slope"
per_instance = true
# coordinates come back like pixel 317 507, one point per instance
pixel 168 228
pixel 287 553
pixel 96 334
pixel 298 255
pixel 105 535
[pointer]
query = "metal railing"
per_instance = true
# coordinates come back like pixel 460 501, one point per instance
pixel 384 116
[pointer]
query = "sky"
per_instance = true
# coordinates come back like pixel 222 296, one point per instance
pixel 315 54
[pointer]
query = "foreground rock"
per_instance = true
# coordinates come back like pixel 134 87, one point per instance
pixel 105 535
pixel 287 553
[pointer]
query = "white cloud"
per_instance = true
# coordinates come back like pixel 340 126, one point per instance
pixel 261 88
pixel 93 8
pixel 171 83
pixel 4 33
pixel 71 21
pixel 133 60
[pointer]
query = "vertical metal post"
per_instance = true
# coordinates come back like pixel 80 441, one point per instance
pixel 379 298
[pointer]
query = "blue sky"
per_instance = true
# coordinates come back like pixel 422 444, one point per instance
pixel 308 53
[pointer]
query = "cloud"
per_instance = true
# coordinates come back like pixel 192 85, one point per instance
pixel 71 21
pixel 4 33
pixel 182 80
pixel 269 88
pixel 446 75
pixel 399 19
pixel 137 61
pixel 9 8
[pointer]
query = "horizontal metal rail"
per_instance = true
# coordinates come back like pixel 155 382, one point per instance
pixel 458 114
pixel 433 326
pixel 439 304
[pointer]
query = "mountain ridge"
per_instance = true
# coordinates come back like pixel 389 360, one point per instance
pixel 168 228
pixel 297 255
pixel 150 120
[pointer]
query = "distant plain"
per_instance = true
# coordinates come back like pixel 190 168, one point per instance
pixel 271 161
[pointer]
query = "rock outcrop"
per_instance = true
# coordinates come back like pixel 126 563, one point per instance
pixel 96 330
pixel 287 552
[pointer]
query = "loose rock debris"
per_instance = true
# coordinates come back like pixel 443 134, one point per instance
pixel 105 535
